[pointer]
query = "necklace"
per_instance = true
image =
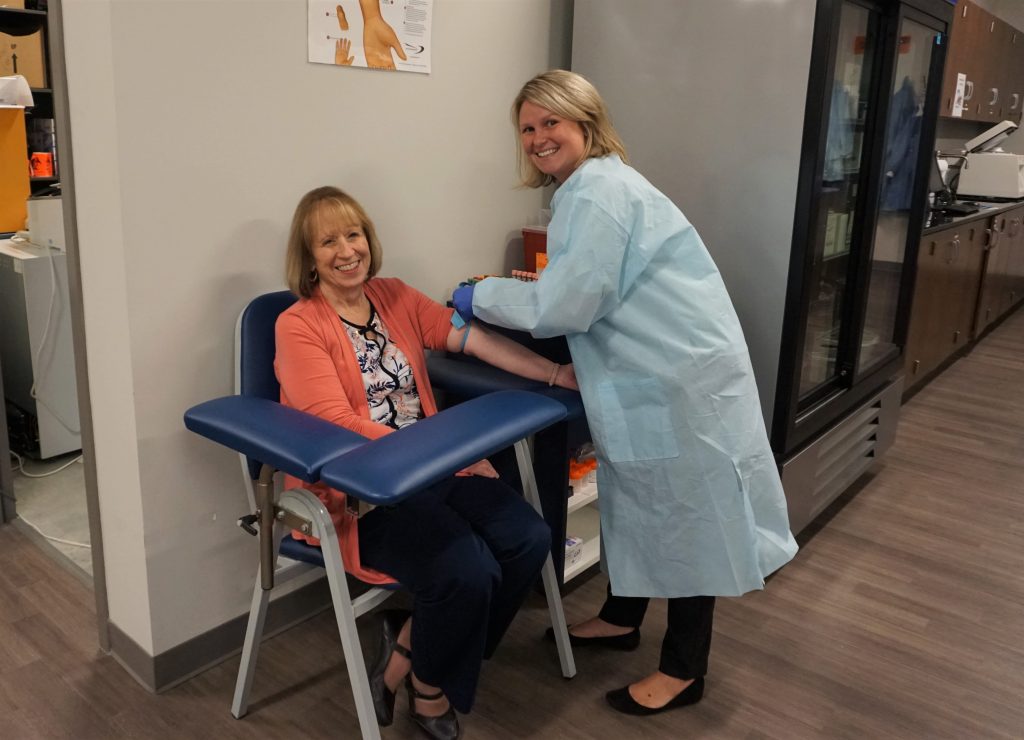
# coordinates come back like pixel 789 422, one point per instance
pixel 367 331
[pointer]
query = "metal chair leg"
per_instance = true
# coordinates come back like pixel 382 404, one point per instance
pixel 306 505
pixel 250 649
pixel 548 575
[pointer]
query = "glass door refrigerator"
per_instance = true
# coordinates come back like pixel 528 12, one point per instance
pixel 796 136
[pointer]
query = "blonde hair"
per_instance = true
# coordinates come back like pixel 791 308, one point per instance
pixel 314 208
pixel 572 97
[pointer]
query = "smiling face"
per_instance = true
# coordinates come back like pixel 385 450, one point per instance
pixel 341 254
pixel 555 145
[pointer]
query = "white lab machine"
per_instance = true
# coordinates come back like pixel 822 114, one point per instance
pixel 988 172
pixel 38 361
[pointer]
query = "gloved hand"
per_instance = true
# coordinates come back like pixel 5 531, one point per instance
pixel 462 299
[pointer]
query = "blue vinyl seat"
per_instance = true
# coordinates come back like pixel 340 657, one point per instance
pixel 270 437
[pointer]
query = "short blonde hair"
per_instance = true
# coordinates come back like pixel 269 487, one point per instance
pixel 314 207
pixel 572 97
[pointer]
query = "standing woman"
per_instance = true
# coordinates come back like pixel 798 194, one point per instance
pixel 691 502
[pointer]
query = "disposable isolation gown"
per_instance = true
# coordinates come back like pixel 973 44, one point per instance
pixel 691 501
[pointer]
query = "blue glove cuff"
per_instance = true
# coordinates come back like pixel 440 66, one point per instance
pixel 462 299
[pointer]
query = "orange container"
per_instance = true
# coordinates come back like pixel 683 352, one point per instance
pixel 14 183
pixel 535 241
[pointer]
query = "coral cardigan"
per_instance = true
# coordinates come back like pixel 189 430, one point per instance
pixel 319 374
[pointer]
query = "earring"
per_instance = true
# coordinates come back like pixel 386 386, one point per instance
pixel 314 276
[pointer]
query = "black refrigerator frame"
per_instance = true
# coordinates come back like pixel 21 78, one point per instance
pixel 798 421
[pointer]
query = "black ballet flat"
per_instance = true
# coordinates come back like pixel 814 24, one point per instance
pixel 383 697
pixel 622 701
pixel 628 641
pixel 442 727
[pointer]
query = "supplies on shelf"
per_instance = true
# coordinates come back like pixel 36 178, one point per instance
pixel 573 550
pixel 42 141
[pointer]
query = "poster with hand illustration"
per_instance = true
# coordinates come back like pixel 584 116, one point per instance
pixel 378 34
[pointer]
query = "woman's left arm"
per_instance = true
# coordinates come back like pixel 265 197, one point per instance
pixel 502 352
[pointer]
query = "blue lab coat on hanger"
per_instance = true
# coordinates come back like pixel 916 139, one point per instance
pixel 690 497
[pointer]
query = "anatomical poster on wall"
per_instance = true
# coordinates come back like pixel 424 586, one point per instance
pixel 378 34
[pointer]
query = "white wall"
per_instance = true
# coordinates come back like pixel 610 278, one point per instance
pixel 196 127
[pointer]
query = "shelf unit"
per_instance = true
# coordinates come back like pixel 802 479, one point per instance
pixel 23 22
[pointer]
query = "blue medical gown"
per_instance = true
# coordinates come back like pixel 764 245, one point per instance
pixel 691 501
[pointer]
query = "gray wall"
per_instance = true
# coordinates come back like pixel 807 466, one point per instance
pixel 196 128
pixel 711 107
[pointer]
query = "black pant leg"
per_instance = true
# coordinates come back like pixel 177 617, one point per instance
pixel 623 611
pixel 687 643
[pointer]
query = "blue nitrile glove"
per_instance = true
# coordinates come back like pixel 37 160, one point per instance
pixel 462 299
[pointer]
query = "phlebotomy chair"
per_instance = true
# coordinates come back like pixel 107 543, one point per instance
pixel 270 437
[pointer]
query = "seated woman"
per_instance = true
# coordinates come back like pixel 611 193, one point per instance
pixel 351 351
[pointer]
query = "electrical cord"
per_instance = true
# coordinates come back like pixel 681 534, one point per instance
pixel 52 538
pixel 21 469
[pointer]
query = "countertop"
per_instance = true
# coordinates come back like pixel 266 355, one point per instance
pixel 937 220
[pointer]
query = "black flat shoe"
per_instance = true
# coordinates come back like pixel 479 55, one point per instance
pixel 383 697
pixel 442 727
pixel 621 700
pixel 628 641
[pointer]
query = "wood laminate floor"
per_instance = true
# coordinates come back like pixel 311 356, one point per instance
pixel 902 617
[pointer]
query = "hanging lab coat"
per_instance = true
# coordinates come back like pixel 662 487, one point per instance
pixel 691 501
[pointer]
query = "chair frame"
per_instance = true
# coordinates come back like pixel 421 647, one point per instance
pixel 300 509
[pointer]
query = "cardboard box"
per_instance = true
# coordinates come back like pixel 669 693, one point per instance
pixel 25 56
pixel 14 183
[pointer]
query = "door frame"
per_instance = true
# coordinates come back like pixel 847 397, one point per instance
pixel 62 122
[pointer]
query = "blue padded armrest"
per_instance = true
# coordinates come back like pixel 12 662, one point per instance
pixel 472 379
pixel 393 467
pixel 293 441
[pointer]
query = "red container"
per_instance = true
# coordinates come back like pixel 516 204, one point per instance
pixel 535 240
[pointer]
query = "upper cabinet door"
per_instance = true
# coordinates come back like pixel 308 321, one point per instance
pixel 1015 77
pixel 963 58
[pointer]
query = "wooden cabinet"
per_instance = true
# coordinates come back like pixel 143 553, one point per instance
pixel 1003 282
pixel 1015 77
pixel 1015 261
pixel 949 266
pixel 990 53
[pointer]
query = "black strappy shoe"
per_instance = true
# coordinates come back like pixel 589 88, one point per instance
pixel 442 727
pixel 383 697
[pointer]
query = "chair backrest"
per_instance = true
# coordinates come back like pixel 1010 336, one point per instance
pixel 254 353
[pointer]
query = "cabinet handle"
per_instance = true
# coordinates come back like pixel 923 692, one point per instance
pixel 969 91
pixel 989 238
pixel 916 366
pixel 1015 97
pixel 956 336
pixel 995 95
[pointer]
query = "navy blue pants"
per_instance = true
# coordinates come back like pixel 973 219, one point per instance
pixel 469 549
